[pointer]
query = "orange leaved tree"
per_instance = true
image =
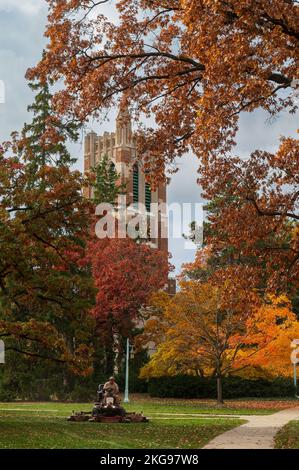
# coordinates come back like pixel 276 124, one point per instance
pixel 203 331
pixel 194 65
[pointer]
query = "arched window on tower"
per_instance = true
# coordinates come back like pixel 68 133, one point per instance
pixel 135 184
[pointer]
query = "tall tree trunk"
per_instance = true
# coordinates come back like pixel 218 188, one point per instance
pixel 109 347
pixel 219 389
pixel 110 360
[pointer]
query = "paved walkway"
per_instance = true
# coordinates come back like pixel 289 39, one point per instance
pixel 200 415
pixel 257 433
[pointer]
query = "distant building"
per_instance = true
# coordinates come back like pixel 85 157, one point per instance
pixel 120 147
pixel 121 150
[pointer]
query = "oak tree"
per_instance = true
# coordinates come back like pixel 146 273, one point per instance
pixel 195 66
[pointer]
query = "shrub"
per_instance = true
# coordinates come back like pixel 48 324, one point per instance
pixel 82 394
pixel 233 387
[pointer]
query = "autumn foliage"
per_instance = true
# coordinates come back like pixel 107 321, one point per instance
pixel 253 217
pixel 45 289
pixel 202 331
pixel 125 275
pixel 195 65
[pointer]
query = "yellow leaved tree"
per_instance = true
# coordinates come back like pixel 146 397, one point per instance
pixel 202 330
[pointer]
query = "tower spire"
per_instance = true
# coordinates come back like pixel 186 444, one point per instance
pixel 123 125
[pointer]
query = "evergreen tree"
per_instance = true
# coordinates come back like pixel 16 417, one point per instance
pixel 107 185
pixel 46 137
pixel 46 290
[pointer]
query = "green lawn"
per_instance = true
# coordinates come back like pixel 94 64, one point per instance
pixel 288 436
pixel 43 431
pixel 44 425
pixel 173 424
pixel 157 407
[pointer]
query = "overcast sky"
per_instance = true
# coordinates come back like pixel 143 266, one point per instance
pixel 22 24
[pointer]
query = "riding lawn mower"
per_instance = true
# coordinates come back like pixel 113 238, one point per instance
pixel 107 409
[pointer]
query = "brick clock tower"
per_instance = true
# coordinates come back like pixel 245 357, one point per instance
pixel 121 150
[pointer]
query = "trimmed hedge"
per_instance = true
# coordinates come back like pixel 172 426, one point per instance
pixel 233 387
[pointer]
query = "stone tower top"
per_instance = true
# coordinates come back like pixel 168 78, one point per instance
pixel 124 133
pixel 120 148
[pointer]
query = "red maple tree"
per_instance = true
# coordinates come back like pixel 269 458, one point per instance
pixel 125 274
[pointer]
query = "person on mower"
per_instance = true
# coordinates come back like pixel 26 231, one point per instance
pixel 111 390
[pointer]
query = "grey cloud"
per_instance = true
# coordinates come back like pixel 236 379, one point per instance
pixel 27 7
pixel 259 132
pixel 21 39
